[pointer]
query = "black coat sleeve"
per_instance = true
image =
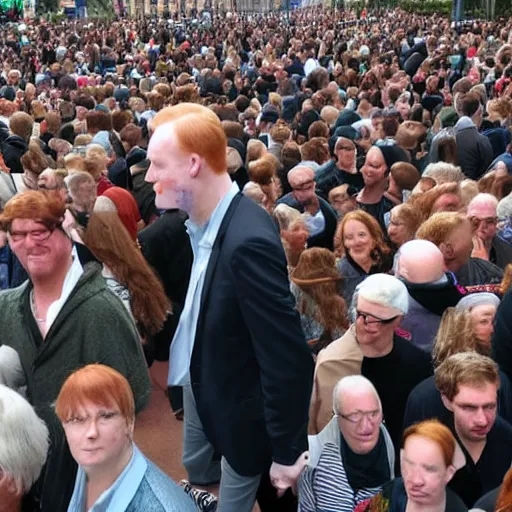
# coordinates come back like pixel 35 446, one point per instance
pixel 502 338
pixel 285 361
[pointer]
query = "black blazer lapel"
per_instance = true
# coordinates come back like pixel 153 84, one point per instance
pixel 212 263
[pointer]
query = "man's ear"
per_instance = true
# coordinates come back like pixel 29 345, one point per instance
pixel 447 250
pixel 450 472
pixel 195 165
pixel 447 403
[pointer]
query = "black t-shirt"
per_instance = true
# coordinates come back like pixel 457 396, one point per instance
pixel 472 481
pixel 394 376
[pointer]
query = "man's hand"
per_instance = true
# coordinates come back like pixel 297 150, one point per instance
pixel 284 477
pixel 479 250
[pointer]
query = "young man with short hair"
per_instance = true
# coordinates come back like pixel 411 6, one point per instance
pixel 468 383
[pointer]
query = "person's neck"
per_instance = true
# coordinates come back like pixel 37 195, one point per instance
pixel 451 266
pixel 48 290
pixel 474 449
pixel 373 193
pixel 350 169
pixel 312 206
pixel 381 348
pixel 101 479
pixel 438 507
pixel 365 262
pixel 208 198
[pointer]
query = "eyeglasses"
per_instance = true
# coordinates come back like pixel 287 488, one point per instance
pixel 376 321
pixel 488 222
pixel 357 416
pixel 38 235
pixel 102 419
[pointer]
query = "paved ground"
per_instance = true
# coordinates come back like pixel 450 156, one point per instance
pixel 158 433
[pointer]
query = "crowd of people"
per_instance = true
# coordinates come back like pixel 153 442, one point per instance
pixel 309 217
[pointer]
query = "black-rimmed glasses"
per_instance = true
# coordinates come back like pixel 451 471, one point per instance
pixel 372 320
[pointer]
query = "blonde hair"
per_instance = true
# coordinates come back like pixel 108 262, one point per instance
pixel 437 228
pixel 465 369
pixel 455 335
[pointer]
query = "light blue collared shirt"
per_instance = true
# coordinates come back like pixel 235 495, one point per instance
pixel 141 486
pixel 202 239
pixel 118 495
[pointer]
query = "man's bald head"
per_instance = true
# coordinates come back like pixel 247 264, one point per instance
pixel 299 175
pixel 420 262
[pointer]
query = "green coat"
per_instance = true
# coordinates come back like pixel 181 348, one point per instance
pixel 93 326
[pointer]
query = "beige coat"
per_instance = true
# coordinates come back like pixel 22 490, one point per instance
pixel 341 358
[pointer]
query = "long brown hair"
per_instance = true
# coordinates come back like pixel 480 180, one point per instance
pixel 504 501
pixel 455 335
pixel 316 275
pixel 111 243
pixel 373 227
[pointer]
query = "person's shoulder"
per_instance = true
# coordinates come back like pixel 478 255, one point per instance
pixel 12 295
pixel 160 493
pixel 502 431
pixel 341 350
pixel 454 503
pixel 411 352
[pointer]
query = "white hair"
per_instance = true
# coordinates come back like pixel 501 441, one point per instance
pixel 382 289
pixel 104 204
pixel 253 191
pixel 349 384
pixel 23 440
pixel 444 172
pixel 482 199
pixel 505 207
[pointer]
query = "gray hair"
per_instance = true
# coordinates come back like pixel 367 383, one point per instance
pixel 505 208
pixel 348 384
pixel 444 172
pixel 482 199
pixel 24 440
pixel 382 289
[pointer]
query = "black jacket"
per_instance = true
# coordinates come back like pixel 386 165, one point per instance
pixel 166 246
pixel 425 402
pixel 502 337
pixel 474 152
pixel 501 252
pixel 328 176
pixel 478 271
pixel 13 149
pixel 394 491
pixel 251 370
pixel 326 238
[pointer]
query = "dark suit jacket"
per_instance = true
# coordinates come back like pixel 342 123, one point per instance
pixel 251 369
pixel 326 237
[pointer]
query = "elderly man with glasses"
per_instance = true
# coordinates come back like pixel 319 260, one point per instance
pixel 63 317
pixel 322 218
pixel 482 213
pixel 353 456
pixel 372 347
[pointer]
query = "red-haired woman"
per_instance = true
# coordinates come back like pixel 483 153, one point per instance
pixel 128 275
pixel 97 411
pixel 360 243
pixel 429 459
